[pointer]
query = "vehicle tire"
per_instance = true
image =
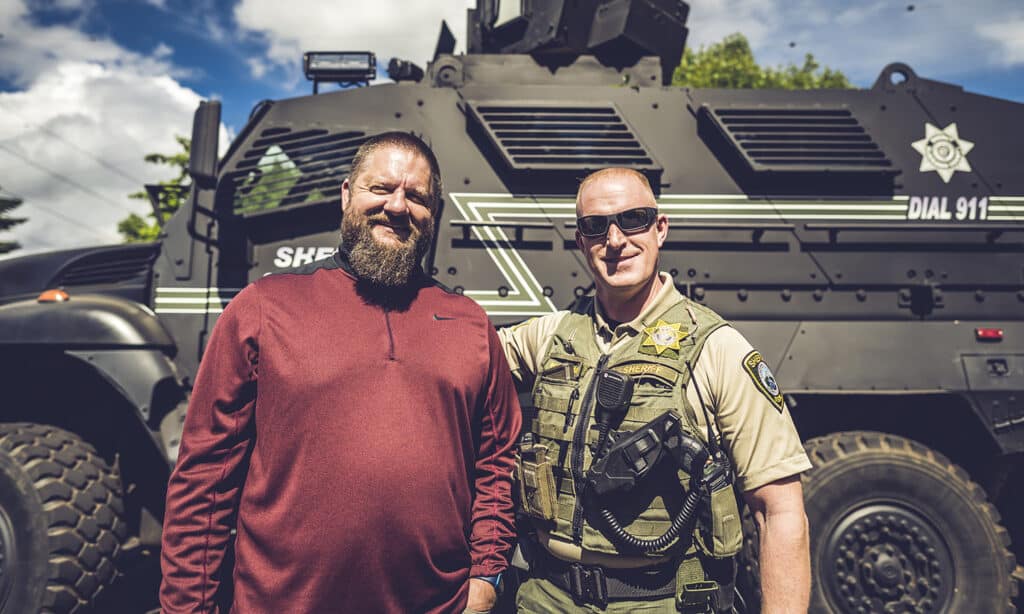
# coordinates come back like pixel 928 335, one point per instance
pixel 897 527
pixel 61 521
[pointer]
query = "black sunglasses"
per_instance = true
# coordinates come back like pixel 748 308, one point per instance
pixel 628 221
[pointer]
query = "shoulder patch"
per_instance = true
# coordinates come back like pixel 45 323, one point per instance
pixel 763 378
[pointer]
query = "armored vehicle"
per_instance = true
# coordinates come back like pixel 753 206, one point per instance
pixel 869 242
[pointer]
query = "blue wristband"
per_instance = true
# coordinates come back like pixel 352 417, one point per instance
pixel 494 581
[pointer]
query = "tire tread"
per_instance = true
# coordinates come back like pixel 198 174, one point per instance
pixel 830 448
pixel 81 497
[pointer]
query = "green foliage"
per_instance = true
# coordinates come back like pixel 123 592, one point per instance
pixel 171 195
pixel 269 184
pixel 135 229
pixel 730 64
pixel 275 183
pixel 8 204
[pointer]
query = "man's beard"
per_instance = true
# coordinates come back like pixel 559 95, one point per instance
pixel 384 264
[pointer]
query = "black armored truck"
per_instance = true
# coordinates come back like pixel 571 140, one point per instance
pixel 869 242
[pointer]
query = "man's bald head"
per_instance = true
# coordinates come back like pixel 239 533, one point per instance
pixel 614 173
pixel 624 262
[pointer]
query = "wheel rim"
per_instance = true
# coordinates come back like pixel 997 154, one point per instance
pixel 888 558
pixel 7 556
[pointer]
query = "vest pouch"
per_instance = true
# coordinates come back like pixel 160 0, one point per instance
pixel 536 483
pixel 561 368
pixel 721 533
pixel 653 395
pixel 645 512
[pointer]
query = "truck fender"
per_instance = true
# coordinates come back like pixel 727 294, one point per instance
pixel 146 379
pixel 85 321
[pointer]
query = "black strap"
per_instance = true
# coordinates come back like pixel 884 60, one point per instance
pixel 582 305
pixel 712 440
pixel 599 585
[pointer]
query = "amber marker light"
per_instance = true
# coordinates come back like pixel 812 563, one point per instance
pixel 988 334
pixel 53 296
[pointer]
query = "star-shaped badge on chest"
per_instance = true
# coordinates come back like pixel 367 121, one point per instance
pixel 943 151
pixel 664 336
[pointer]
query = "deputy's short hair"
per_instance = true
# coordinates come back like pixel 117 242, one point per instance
pixel 612 171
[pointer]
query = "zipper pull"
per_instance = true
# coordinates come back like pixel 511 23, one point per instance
pixel 568 410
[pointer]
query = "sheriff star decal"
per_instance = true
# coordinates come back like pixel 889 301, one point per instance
pixel 943 151
pixel 664 336
pixel 763 378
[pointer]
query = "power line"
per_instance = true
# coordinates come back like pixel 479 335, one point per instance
pixel 9 194
pixel 53 212
pixel 70 220
pixel 65 179
pixel 93 155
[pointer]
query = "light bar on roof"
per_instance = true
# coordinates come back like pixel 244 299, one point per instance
pixel 339 66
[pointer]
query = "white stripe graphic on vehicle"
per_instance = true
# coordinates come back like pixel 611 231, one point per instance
pixel 525 295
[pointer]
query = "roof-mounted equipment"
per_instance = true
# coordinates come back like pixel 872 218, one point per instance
pixel 556 32
pixel 342 67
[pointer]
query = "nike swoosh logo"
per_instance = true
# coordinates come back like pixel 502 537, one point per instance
pixel 437 317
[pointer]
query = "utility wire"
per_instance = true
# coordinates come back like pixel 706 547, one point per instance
pixel 110 167
pixel 70 220
pixel 54 213
pixel 67 180
pixel 9 194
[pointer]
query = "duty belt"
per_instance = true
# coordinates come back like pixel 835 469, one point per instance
pixel 599 585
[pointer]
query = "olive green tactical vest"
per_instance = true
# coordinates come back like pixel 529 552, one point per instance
pixel 657 360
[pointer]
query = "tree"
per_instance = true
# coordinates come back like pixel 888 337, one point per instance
pixel 267 186
pixel 170 194
pixel 7 204
pixel 730 64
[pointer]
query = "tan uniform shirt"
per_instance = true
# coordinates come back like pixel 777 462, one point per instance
pixel 761 440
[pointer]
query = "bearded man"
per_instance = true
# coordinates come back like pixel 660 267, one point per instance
pixel 353 422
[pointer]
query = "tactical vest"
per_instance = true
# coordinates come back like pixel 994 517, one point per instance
pixel 564 430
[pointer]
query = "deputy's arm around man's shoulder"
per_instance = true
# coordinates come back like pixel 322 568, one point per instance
pixel 524 344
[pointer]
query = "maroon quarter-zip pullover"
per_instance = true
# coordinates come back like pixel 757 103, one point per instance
pixel 363 454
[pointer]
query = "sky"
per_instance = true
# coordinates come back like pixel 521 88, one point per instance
pixel 89 87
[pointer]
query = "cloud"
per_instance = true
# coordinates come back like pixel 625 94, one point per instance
pixel 1009 37
pixel 213 29
pixel 72 148
pixel 937 39
pixel 713 20
pixel 74 133
pixel 860 13
pixel 257 67
pixel 391 28
pixel 68 5
pixel 10 13
pixel 27 50
pixel 162 51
